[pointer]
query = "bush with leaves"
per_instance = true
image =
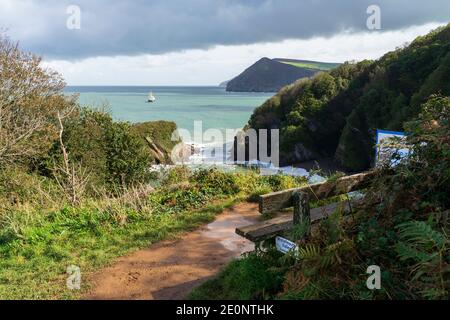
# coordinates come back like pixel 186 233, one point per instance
pixel 214 180
pixel 115 156
pixel 30 96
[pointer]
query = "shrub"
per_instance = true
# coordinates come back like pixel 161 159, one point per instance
pixel 113 154
pixel 259 191
pixel 282 182
pixel 19 187
pixel 30 97
pixel 127 160
pixel 176 175
pixel 159 132
pixel 214 180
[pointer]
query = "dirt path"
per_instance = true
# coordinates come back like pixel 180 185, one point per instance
pixel 171 269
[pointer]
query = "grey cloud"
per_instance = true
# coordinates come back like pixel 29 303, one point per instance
pixel 114 27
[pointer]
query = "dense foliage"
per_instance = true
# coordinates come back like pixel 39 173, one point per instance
pixel 44 131
pixel 403 227
pixel 337 112
pixel 30 97
pixel 77 187
pixel 113 154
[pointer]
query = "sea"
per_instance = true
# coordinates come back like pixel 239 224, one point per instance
pixel 213 107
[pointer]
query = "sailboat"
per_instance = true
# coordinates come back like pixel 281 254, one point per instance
pixel 151 97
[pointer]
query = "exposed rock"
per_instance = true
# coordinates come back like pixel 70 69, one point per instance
pixel 157 152
pixel 158 135
pixel 312 126
pixel 304 154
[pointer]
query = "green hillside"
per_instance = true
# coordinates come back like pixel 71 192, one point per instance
pixel 268 75
pixel 337 112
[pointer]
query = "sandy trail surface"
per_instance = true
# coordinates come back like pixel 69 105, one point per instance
pixel 169 270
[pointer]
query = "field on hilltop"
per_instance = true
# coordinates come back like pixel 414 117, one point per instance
pixel 314 65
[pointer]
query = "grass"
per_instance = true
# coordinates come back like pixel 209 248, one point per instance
pixel 34 267
pixel 249 278
pixel 322 66
pixel 41 235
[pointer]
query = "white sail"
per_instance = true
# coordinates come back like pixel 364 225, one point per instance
pixel 151 97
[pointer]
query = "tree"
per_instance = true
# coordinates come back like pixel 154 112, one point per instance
pixel 114 155
pixel 73 180
pixel 30 97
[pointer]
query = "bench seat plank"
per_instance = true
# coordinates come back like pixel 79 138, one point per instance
pixel 270 228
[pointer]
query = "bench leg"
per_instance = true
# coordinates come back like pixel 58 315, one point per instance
pixel 259 246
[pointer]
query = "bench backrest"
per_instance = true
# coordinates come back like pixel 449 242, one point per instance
pixel 277 201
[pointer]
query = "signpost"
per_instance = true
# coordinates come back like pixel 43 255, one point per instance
pixel 387 146
pixel 284 245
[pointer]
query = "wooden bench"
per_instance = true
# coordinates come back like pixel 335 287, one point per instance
pixel 300 199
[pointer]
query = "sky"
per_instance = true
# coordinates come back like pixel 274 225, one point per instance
pixel 205 42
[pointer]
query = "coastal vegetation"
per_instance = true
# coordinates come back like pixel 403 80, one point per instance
pixel 77 188
pixel 402 226
pixel 336 113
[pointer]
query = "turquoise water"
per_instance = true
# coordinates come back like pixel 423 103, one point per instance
pixel 215 107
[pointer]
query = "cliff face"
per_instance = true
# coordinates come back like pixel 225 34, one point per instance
pixel 158 136
pixel 267 75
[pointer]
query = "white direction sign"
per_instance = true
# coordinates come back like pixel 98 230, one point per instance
pixel 285 245
pixel 386 148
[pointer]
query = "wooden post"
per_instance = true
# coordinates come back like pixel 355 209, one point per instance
pixel 301 208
